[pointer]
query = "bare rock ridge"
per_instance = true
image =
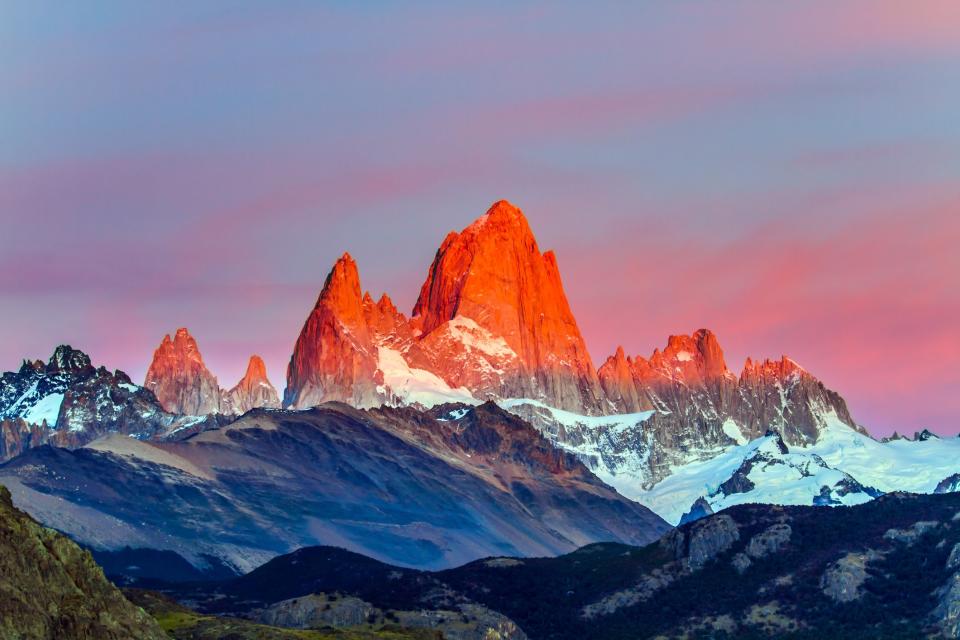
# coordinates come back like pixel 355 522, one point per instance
pixel 492 321
pixel 688 383
pixel 183 385
pixel 68 402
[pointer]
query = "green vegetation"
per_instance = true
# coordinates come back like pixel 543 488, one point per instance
pixel 184 624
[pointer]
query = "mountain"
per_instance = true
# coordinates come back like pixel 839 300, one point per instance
pixel 842 467
pixel 184 386
pixel 180 379
pixel 53 589
pixel 254 390
pixel 493 273
pixel 689 409
pixel 335 357
pixel 886 569
pixel 421 489
pixel 492 321
pixel 68 402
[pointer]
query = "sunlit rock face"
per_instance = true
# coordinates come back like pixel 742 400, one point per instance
pixel 180 379
pixel 254 390
pixel 492 321
pixel 494 274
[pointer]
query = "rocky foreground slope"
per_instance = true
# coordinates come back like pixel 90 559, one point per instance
pixel 886 569
pixel 50 588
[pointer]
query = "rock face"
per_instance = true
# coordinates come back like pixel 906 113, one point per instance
pixel 254 390
pixel 843 579
pixel 53 589
pixel 335 357
pixel 69 402
pixel 493 273
pixel 492 321
pixel 179 378
pixel 695 394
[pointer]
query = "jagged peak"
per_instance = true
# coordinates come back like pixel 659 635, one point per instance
pixel 256 368
pixel 386 304
pixel 66 358
pixel 501 213
pixel 341 290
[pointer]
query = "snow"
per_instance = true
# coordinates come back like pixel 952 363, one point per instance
pixel 132 388
pixel 472 336
pixel 617 447
pixel 731 429
pixel 46 408
pixel 616 422
pixel 416 386
pixel 901 465
pixel 29 393
pixel 684 356
pixel 455 415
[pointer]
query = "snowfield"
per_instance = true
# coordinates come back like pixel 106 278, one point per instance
pixel 46 408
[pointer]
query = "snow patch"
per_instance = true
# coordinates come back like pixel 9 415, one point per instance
pixel 472 336
pixel 684 356
pixel 617 423
pixel 46 408
pixel 416 386
pixel 132 388
pixel 733 430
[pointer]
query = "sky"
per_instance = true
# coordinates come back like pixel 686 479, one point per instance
pixel 786 174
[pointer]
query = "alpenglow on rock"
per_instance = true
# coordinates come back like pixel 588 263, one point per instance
pixel 254 390
pixel 492 321
pixel 180 379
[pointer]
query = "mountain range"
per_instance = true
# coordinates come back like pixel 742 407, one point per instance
pixel 478 425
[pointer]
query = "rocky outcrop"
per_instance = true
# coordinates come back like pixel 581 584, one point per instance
pixel 912 534
pixel 950 484
pixel 947 612
pixel 179 378
pixel 53 589
pixel 68 402
pixel 465 622
pixel 842 581
pixel 699 509
pixel 766 543
pixel 709 538
pixel 254 390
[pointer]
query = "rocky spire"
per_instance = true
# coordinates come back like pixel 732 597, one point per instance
pixel 180 379
pixel 334 357
pixel 493 273
pixel 254 390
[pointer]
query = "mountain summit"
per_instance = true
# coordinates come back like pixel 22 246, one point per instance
pixel 492 321
pixel 493 274
pixel 254 390
pixel 180 379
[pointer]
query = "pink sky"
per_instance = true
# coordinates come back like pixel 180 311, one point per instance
pixel 787 175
